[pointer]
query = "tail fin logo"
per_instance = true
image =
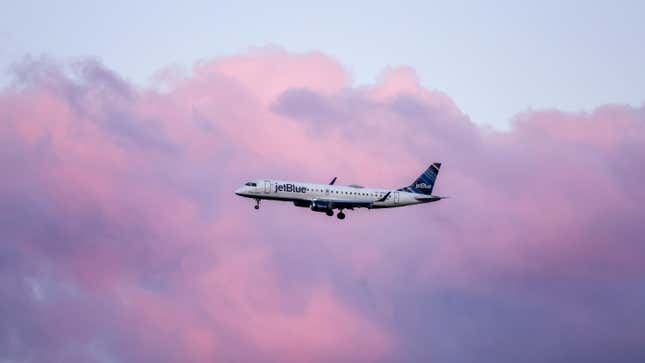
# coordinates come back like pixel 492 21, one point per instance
pixel 426 181
pixel 423 186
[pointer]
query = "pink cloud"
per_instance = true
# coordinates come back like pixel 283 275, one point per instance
pixel 271 71
pixel 118 199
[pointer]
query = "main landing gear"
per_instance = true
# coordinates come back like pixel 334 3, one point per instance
pixel 257 204
pixel 340 214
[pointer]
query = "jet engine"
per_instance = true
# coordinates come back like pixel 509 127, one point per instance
pixel 321 206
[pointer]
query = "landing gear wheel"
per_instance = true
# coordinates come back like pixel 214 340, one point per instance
pixel 257 204
pixel 340 215
pixel 330 212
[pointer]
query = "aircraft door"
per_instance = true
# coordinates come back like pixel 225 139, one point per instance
pixel 396 197
pixel 267 187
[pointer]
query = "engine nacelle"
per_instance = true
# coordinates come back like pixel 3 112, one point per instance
pixel 320 206
pixel 302 203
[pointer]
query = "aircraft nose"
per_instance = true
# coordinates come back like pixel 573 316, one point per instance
pixel 238 191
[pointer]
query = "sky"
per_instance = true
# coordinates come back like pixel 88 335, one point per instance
pixel 122 239
pixel 495 59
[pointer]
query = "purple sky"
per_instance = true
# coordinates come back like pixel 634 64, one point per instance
pixel 123 241
pixel 494 58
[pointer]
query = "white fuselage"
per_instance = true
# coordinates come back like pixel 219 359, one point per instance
pixel 308 192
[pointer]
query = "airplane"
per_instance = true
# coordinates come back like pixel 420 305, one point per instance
pixel 327 197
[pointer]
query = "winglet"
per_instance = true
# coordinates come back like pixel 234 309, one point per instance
pixel 332 181
pixel 384 197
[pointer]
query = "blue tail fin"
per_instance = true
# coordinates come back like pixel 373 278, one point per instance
pixel 425 182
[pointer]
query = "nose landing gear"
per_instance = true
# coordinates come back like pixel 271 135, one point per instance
pixel 257 204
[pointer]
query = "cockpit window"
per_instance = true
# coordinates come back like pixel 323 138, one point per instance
pixel 251 184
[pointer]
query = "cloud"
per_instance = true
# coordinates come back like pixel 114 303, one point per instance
pixel 122 240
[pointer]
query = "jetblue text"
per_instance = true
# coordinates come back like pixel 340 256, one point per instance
pixel 291 188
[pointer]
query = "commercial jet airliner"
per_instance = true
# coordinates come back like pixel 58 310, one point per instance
pixel 327 197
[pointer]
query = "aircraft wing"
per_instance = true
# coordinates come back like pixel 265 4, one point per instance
pixel 351 204
pixel 348 204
